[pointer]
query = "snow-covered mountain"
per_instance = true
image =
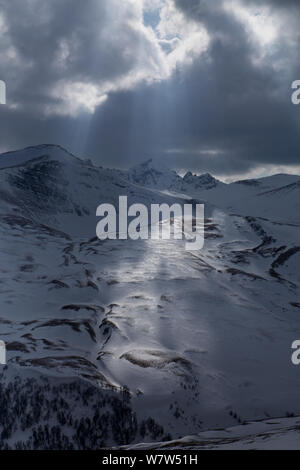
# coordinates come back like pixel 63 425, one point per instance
pixel 268 183
pixel 160 342
pixel 275 197
pixel 201 182
pixel 48 185
pixel 155 174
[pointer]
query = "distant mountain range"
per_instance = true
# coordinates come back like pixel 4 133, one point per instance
pixel 47 178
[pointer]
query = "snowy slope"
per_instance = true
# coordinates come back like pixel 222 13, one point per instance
pixel 200 339
pixel 268 183
pixel 49 185
pixel 275 198
pixel 270 434
pixel 55 152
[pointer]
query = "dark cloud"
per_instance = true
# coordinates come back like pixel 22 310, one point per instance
pixel 228 112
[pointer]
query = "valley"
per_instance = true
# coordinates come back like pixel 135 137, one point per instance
pixel 199 340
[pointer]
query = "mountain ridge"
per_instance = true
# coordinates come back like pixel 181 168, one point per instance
pixel 151 164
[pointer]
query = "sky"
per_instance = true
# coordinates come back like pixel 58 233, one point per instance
pixel 204 85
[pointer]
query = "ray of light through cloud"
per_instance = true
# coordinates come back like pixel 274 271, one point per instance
pixel 163 41
pixel 202 84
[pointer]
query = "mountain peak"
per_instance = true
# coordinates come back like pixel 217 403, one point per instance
pixel 204 181
pixel 22 157
pixel 151 164
pixel 154 172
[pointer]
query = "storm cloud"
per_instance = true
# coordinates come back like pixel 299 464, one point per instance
pixel 205 85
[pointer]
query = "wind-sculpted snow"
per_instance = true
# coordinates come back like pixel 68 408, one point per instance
pixel 197 339
pixel 269 434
